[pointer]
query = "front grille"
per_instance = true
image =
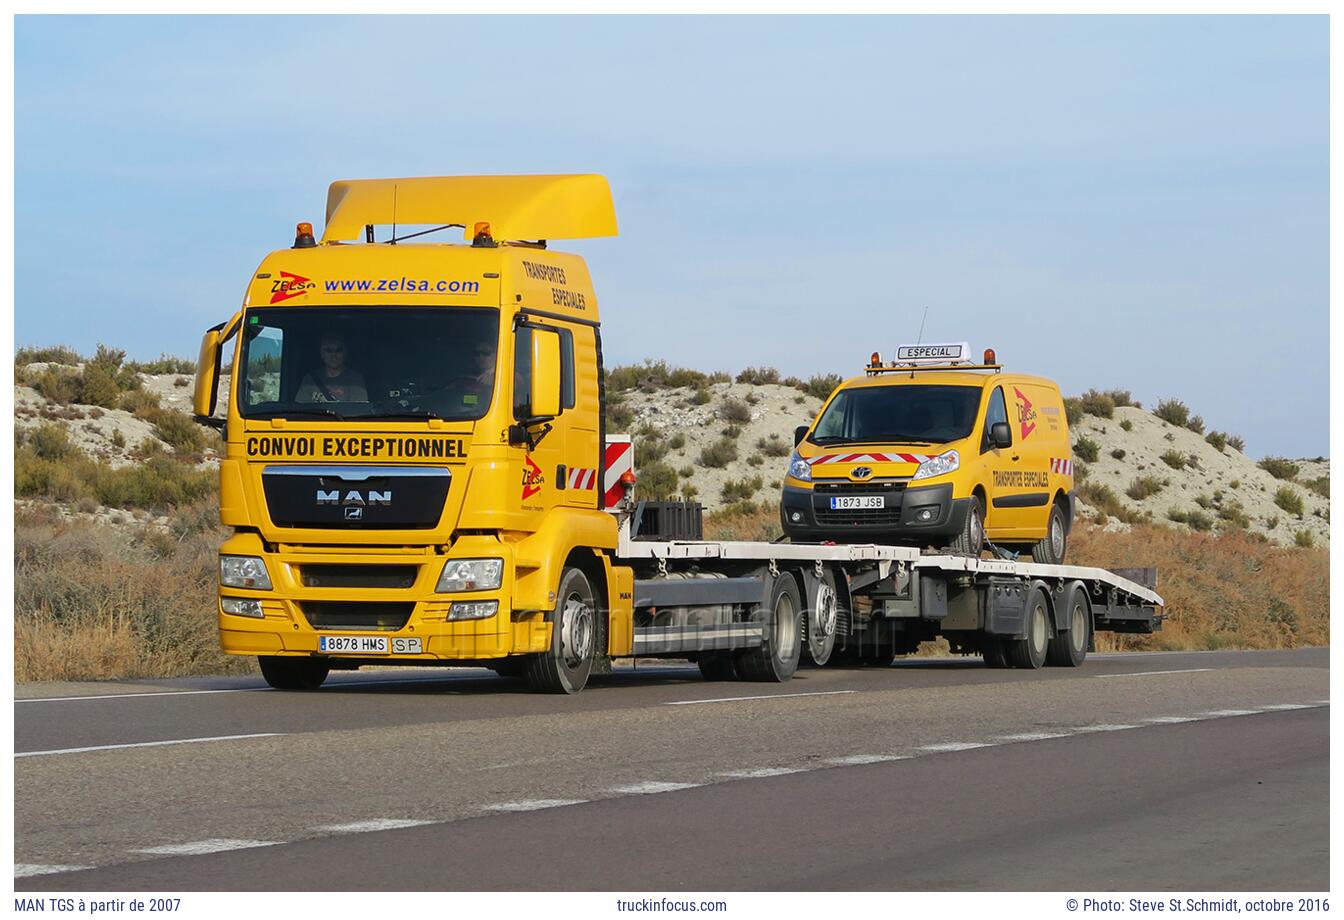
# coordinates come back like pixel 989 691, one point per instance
pixel 388 616
pixel 860 517
pixel 358 576
pixel 881 487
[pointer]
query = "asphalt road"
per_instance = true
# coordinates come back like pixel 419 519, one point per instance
pixel 1205 771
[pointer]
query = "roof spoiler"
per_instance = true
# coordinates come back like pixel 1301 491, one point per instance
pixel 565 207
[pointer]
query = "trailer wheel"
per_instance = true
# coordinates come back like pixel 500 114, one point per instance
pixel 996 656
pixel 776 659
pixel 1068 649
pixel 971 540
pixel 1051 550
pixel 565 668
pixel 294 673
pixel 717 665
pixel 1030 652
pixel 819 621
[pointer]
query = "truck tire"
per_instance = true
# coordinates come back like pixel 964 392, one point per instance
pixel 1030 652
pixel 508 667
pixel 819 621
pixel 971 540
pixel 996 656
pixel 565 668
pixel 717 665
pixel 1051 550
pixel 294 673
pixel 776 659
pixel 1069 648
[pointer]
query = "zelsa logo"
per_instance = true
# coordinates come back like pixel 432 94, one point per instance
pixel 290 285
pixel 532 478
pixel 1025 413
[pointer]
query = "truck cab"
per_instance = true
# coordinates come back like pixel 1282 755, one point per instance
pixel 933 450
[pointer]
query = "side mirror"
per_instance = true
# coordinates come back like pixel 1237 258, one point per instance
pixel 545 393
pixel 1000 435
pixel 799 433
pixel 207 373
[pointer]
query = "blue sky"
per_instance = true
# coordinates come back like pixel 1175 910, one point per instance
pixel 1134 202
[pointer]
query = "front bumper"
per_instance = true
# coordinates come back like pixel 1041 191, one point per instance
pixel 909 514
pixel 374 592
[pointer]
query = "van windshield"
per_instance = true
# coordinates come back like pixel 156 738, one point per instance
pixel 899 415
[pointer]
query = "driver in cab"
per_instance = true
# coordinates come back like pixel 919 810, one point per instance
pixel 334 382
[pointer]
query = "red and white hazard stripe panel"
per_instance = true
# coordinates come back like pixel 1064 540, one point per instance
pixel 581 479
pixel 1062 466
pixel 617 459
pixel 869 458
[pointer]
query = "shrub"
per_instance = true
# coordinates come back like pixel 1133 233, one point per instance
pixel 751 398
pixel 758 375
pixel 1121 398
pixel 657 482
pixel 1195 520
pixel 1218 439
pixel 51 354
pixel 1086 449
pixel 1280 468
pixel 1173 412
pixel 57 385
pixel 181 382
pixel 118 439
pixel 799 400
pixel 1289 500
pixel 618 416
pixel 1099 404
pixel 701 396
pixel 773 446
pixel 1118 453
pixel 1319 485
pixel 1196 424
pixel 689 492
pixel 1233 515
pixel 653 375
pixel 1234 484
pixel 686 472
pixel 755 460
pixel 1304 539
pixel 1237 443
pixel 677 441
pixel 735 410
pixel 179 431
pixel 1126 425
pixel 165 364
pixel 1107 503
pixel 1143 487
pixel 732 432
pixel 1073 410
pixel 740 490
pixel 1175 459
pixel 719 454
pixel 50 442
pixel 821 385
pixel 740 522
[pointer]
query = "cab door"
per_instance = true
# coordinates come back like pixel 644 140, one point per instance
pixel 1006 514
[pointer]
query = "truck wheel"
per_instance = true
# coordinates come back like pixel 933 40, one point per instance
pixel 1030 652
pixel 776 659
pixel 294 673
pixel 996 656
pixel 819 621
pixel 1051 550
pixel 971 540
pixel 565 668
pixel 1068 649
pixel 717 665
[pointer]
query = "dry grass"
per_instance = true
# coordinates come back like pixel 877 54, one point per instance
pixel 93 603
pixel 745 521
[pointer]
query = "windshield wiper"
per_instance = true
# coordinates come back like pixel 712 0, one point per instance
pixel 412 415
pixel 893 439
pixel 297 413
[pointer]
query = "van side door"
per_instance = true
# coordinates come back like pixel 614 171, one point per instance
pixel 1005 514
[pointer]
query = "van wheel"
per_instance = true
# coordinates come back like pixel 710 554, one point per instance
pixel 1051 550
pixel 971 540
pixel 1068 649
pixel 565 668
pixel 294 673
pixel 1030 652
pixel 776 659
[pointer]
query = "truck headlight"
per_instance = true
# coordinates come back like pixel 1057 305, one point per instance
pixel 244 572
pixel 937 466
pixel 472 610
pixel 800 468
pixel 470 575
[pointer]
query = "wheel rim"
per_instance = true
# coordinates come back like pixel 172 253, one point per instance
pixel 1039 636
pixel 823 620
pixel 786 622
pixel 977 530
pixel 576 632
pixel 1078 627
pixel 1056 536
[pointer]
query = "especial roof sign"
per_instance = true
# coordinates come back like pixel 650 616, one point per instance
pixel 936 353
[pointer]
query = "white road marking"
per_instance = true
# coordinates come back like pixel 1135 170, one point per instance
pixel 1224 713
pixel 534 804
pixel 762 772
pixel 1152 673
pixel 858 760
pixel 134 696
pixel 375 824
pixel 770 696
pixel 143 744
pixel 1281 707
pixel 1102 728
pixel 1171 720
pixel 951 746
pixel 1029 736
pixel 1321 703
pixel 202 847
pixel 650 788
pixel 26 870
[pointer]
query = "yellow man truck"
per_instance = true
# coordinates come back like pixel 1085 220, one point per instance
pixel 417 473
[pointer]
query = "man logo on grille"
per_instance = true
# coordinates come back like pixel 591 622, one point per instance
pixel 354 514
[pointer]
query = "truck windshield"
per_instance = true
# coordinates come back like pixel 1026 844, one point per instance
pixel 899 415
pixel 367 362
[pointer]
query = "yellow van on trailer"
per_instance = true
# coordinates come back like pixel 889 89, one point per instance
pixel 931 449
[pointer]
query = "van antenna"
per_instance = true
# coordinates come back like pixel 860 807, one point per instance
pixel 393 241
pixel 918 341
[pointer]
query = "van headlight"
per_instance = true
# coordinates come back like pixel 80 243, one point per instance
pixel 244 572
pixel 800 468
pixel 937 466
pixel 470 575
